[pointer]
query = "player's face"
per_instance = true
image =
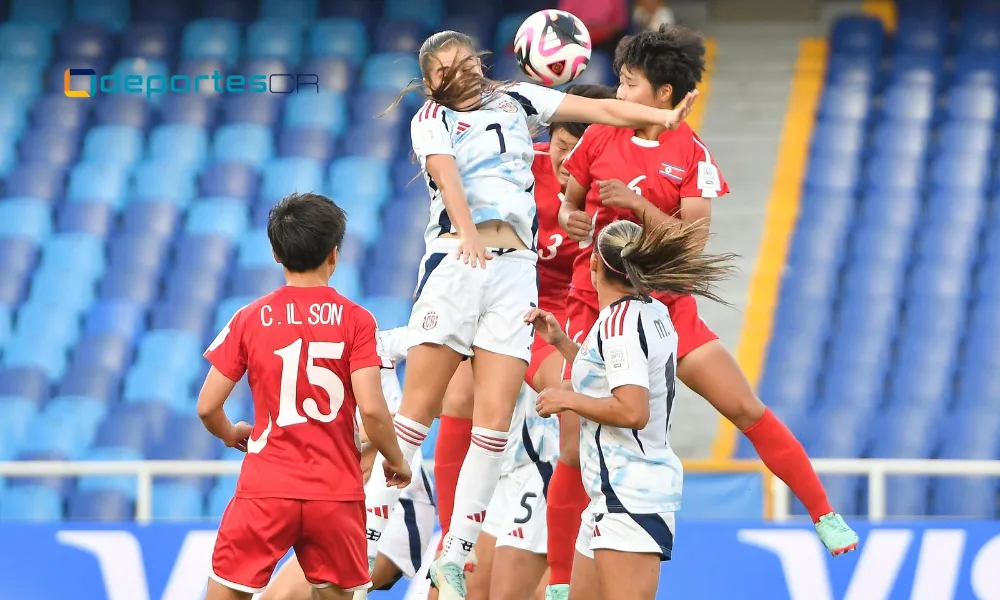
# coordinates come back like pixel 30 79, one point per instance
pixel 443 60
pixel 634 87
pixel 561 143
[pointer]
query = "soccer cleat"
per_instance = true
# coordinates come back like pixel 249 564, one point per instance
pixel 559 591
pixel 449 579
pixel 836 535
pixel 471 562
pixel 371 565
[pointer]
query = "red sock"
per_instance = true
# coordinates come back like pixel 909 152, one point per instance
pixel 784 456
pixel 454 437
pixel 566 501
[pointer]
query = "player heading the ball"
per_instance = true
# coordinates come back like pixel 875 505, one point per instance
pixel 311 357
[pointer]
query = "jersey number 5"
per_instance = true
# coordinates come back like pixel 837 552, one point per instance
pixel 496 127
pixel 321 377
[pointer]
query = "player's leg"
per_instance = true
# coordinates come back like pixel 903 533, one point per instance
pixel 454 437
pixel 643 575
pixel 542 585
pixel 254 534
pixel 442 328
pixel 479 581
pixel 502 350
pixel 289 583
pixel 331 548
pixel 519 559
pixel 583 582
pixel 710 371
pixel 548 372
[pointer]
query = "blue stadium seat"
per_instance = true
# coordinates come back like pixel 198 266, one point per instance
pixel 244 142
pixel 24 383
pixel 974 102
pixel 163 179
pixel 18 412
pixel 361 179
pixel 122 110
pixel 274 38
pixel 215 69
pixel 920 35
pixel 26 218
pixel 177 502
pixel 298 11
pixel 368 140
pixel 92 218
pixel 965 138
pixel 857 35
pixel 137 251
pixel 255 251
pixel 335 74
pixel 29 42
pixel 954 246
pixel 37 180
pixel 832 138
pixel 339 38
pixel 156 219
pixel 153 39
pixel 112 13
pixel 21 80
pixel 372 107
pixel 87 411
pixel 87 381
pixel 76 252
pixel 115 317
pixel 317 144
pixel 874 280
pixel 908 103
pixel 219 497
pixel 880 245
pixel 392 71
pixel 188 441
pixel 99 505
pixel 227 217
pixel 833 172
pixel 940 280
pixel 105 351
pixel 150 383
pixel 286 175
pixel 190 314
pixel 60 433
pixel 895 173
pixel 845 434
pixel 123 484
pixel 133 426
pixel 134 283
pixel 179 143
pixel 211 38
pixel 195 286
pixel 166 350
pixel 257 109
pixel 326 110
pixel 916 69
pixel 978 35
pixel 31 503
pixel 5 323
pixel 98 182
pixel 255 281
pixel 227 308
pixel 229 179
pixel 976 69
pixel 207 252
pixel 389 311
pixel 963 172
pixel 427 12
pixel 198 110
pixel 403 36
pixel 50 144
pixel 347 280
pixel 241 11
pixel 903 139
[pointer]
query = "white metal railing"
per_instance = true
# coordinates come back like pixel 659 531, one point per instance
pixel 877 470
pixel 143 470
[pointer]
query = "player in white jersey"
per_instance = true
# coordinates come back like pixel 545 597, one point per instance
pixel 411 522
pixel 623 389
pixel 473 142
pixel 512 549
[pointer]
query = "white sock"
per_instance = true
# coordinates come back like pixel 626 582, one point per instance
pixel 476 483
pixel 381 499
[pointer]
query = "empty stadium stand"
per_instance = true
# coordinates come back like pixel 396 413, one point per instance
pixel 885 335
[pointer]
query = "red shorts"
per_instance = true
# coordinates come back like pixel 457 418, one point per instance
pixel 540 350
pixel 328 537
pixel 692 332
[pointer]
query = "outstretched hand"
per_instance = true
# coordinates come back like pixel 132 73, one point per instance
pixel 681 111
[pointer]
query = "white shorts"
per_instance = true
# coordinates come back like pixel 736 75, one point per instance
pixel 408 534
pixel 516 514
pixel 463 307
pixel 626 532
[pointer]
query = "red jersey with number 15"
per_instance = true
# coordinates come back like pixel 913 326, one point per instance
pixel 556 252
pixel 298 347
pixel 676 165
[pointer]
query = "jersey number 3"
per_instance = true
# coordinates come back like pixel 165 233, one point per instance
pixel 553 248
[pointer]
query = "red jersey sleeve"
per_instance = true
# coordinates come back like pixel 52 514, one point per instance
pixel 227 352
pixel 702 177
pixel 582 156
pixel 366 350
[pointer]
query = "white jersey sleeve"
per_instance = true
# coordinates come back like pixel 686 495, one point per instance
pixel 393 344
pixel 541 103
pixel 624 358
pixel 430 134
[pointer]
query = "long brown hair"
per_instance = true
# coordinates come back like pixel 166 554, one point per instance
pixel 668 258
pixel 461 84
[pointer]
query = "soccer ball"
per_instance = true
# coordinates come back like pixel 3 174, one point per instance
pixel 552 47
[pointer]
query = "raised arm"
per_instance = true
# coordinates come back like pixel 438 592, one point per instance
pixel 619 113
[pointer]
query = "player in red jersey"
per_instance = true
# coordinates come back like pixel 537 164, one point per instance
pixel 655 176
pixel 311 358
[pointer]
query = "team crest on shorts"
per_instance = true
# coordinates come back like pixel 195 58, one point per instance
pixel 430 320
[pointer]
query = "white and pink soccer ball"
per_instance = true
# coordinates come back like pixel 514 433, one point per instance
pixel 552 47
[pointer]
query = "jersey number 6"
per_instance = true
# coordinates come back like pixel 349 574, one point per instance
pixel 321 377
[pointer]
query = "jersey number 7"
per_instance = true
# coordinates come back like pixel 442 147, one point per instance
pixel 321 377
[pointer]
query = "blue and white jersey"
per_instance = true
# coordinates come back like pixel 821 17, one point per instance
pixel 492 147
pixel 532 438
pixel 630 470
